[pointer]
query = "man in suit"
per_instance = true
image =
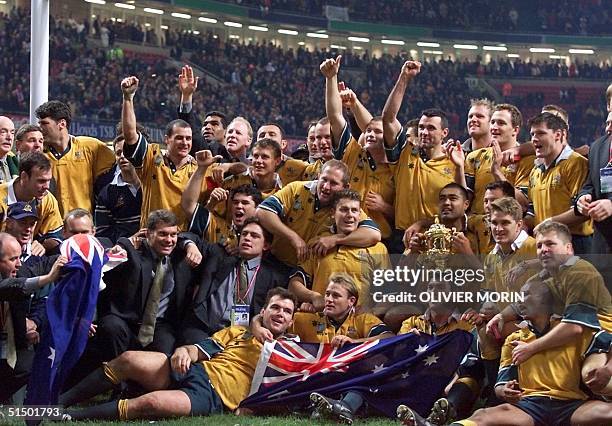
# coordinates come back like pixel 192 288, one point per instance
pixel 15 359
pixel 144 303
pixel 234 286
pixel 596 202
pixel 212 135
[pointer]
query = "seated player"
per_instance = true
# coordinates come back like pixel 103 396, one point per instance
pixel 580 294
pixel 440 318
pixel 545 389
pixel 338 324
pixel 206 378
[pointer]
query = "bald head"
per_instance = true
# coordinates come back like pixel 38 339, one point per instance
pixel 7 135
pixel 10 252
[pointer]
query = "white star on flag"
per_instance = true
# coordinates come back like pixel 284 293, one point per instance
pixel 52 356
pixel 432 359
pixel 421 349
pixel 405 375
pixel 378 368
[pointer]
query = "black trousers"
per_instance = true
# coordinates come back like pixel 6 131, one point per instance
pixel 115 336
pixel 13 379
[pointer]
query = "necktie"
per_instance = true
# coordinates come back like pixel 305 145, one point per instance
pixel 11 355
pixel 147 329
pixel 6 172
pixel 243 281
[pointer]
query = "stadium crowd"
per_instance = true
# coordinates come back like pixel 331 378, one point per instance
pixel 248 69
pixel 583 17
pixel 229 240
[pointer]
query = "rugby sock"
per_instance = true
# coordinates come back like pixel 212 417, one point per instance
pixel 109 411
pixel 99 381
pixel 352 400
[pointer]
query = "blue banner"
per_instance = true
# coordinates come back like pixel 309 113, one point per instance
pixel 70 310
pixel 409 369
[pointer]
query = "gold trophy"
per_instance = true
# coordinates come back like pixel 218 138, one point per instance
pixel 438 238
pixel 438 242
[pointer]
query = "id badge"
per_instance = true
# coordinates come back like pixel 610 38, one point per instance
pixel 605 180
pixel 3 345
pixel 240 315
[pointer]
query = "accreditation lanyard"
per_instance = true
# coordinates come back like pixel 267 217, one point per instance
pixel 238 298
pixel 605 175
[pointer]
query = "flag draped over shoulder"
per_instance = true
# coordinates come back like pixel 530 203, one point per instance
pixel 70 310
pixel 408 369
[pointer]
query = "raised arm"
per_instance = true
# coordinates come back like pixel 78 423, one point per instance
pixel 333 104
pixel 391 125
pixel 187 84
pixel 191 194
pixel 129 85
pixel 360 112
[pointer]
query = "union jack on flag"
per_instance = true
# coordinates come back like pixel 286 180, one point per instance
pixel 292 359
pixel 407 369
pixel 86 246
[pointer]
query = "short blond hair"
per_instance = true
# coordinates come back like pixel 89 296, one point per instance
pixel 346 281
pixel 487 103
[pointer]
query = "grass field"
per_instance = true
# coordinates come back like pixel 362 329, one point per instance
pixel 231 420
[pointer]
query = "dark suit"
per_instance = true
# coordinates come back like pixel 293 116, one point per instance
pixel 24 305
pixel 14 291
pixel 122 304
pixel 599 155
pixel 217 267
pixel 198 143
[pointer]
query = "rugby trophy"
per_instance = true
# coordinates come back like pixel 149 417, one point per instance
pixel 438 243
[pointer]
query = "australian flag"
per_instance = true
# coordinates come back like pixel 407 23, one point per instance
pixel 70 310
pixel 408 369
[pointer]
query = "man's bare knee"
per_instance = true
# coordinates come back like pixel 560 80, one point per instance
pixel 598 413
pixel 145 406
pixel 125 363
pixel 480 416
pixel 486 416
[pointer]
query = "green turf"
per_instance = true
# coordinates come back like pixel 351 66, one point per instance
pixel 226 420
pixel 231 420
